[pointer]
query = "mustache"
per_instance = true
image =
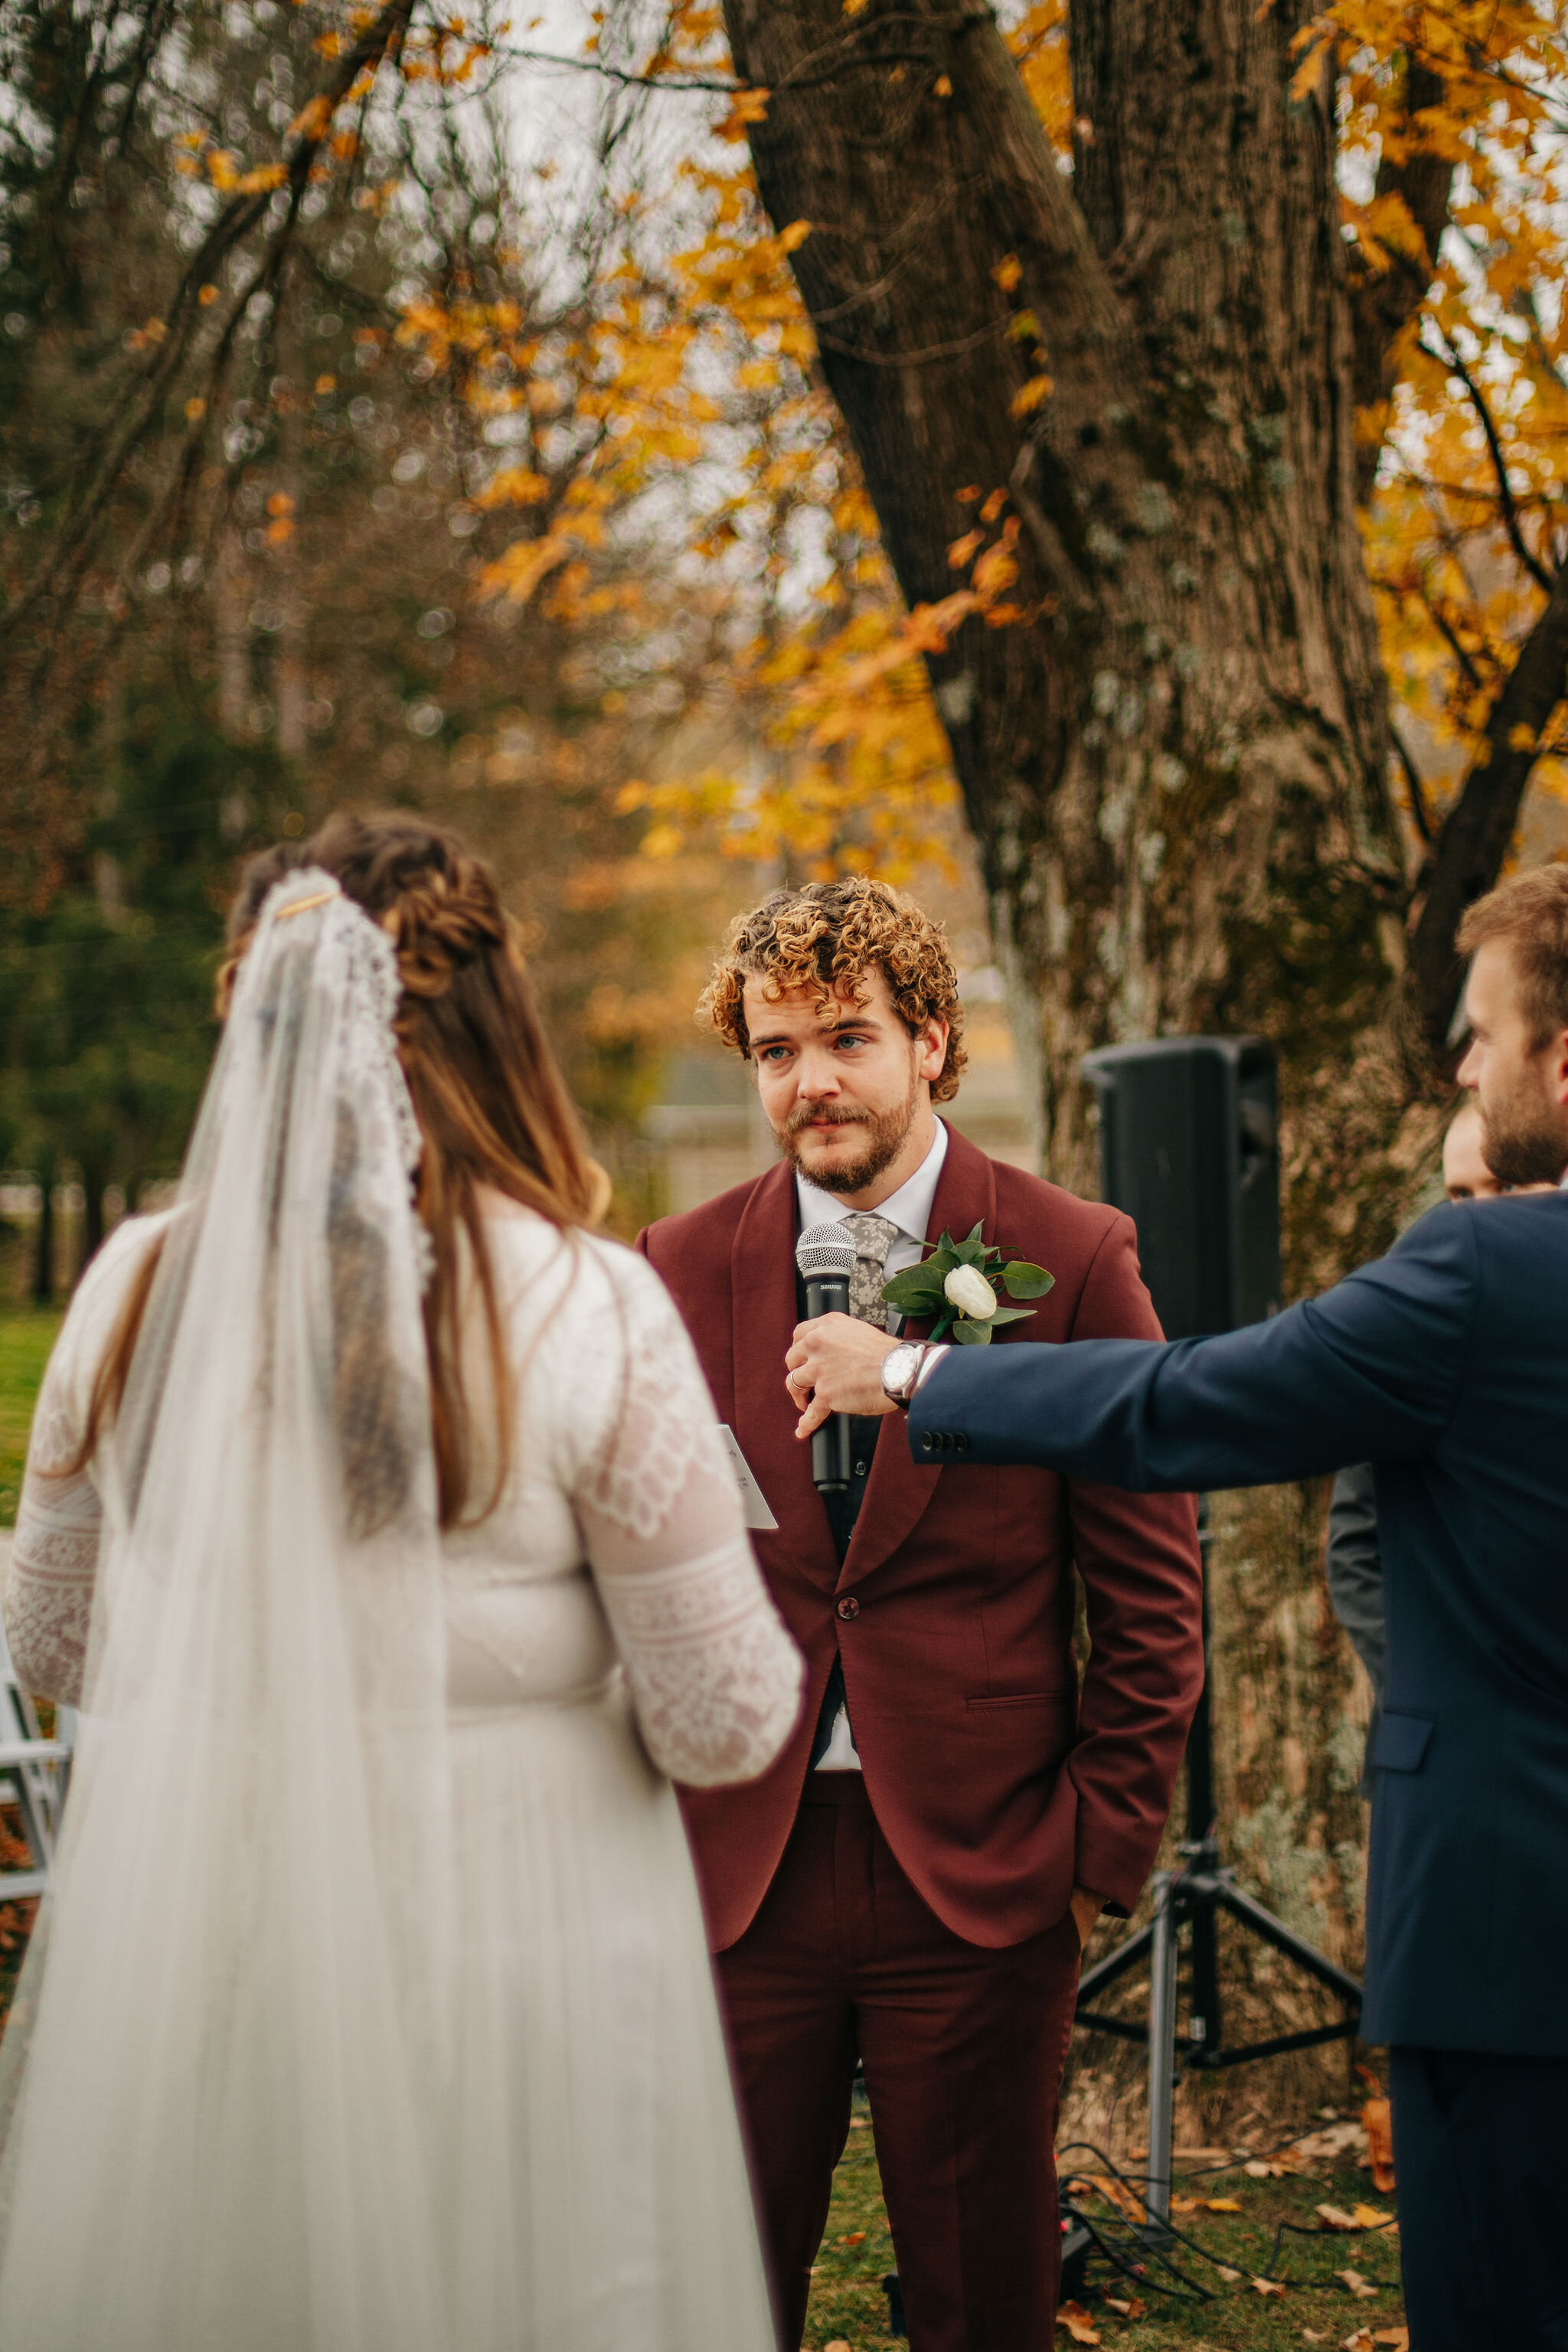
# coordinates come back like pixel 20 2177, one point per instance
pixel 821 1115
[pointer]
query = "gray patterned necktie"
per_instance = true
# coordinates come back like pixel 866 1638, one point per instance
pixel 873 1237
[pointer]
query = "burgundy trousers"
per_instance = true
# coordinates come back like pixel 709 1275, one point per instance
pixel 962 2048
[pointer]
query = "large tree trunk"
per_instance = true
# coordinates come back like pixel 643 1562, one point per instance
pixel 1177 772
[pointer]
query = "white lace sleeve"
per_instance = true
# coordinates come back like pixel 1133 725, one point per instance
pixel 715 1678
pixel 54 1559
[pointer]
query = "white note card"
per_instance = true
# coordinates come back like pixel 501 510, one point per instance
pixel 754 1501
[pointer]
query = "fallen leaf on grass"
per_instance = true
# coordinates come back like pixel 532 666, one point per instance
pixel 1266 2286
pixel 855 2237
pixel 1222 2204
pixel 1367 2217
pixel 857 2123
pixel 1185 2204
pixel 1227 2273
pixel 1378 2118
pixel 840 2344
pixel 1360 2342
pixel 1334 2217
pixel 1077 2322
pixel 1397 2338
pixel 1312 2334
pixel 1356 2284
pixel 1133 2310
pixel 1117 2192
pixel 1337 2140
pixel 1259 2169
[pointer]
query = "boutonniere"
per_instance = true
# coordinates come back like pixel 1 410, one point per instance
pixel 961 1284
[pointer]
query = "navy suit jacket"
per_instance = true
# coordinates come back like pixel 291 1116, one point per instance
pixel 1447 1363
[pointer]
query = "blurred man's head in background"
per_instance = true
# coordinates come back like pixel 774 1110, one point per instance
pixel 1516 1005
pixel 1466 1176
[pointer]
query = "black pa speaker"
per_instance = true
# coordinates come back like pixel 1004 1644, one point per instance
pixel 1189 1148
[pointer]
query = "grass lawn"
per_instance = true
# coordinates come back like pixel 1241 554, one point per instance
pixel 850 2309
pixel 26 1338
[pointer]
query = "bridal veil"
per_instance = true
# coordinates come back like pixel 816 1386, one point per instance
pixel 230 2034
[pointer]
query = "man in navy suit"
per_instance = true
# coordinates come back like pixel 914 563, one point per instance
pixel 1448 1363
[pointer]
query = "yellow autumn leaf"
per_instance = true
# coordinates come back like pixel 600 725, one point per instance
pixel 1031 396
pixel 311 121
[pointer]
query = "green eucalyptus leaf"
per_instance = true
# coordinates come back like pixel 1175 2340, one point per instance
pixel 916 1291
pixel 970 1253
pixel 1012 1315
pixel 944 1259
pixel 972 1335
pixel 1022 1280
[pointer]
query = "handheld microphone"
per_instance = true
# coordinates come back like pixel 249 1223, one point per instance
pixel 824 1255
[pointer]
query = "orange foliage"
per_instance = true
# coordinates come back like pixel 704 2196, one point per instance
pixel 675 397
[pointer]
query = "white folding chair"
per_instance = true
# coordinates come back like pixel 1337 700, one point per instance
pixel 33 1775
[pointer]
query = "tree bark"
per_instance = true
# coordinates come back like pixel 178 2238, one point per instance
pixel 44 1237
pixel 1177 772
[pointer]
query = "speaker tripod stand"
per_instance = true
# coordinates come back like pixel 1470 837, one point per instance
pixel 1192 1898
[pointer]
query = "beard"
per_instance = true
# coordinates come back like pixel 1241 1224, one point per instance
pixel 885 1133
pixel 1524 1137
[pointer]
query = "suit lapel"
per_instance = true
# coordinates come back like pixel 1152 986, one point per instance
pixel 764 1308
pixel 898 1488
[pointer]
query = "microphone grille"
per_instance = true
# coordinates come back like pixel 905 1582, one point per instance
pixel 824 1249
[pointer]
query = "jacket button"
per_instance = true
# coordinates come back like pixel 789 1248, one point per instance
pixel 928 1442
pixel 962 1442
pixel 848 1608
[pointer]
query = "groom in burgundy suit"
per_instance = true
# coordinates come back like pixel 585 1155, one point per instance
pixel 912 1883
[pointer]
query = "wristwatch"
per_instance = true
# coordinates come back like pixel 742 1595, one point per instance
pixel 907 1367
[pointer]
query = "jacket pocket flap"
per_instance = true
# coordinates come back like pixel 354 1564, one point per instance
pixel 1401 1743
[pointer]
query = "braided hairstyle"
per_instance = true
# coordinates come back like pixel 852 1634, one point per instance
pixel 493 1108
pixel 492 1104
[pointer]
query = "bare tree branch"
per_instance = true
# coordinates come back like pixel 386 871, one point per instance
pixel 59 575
pixel 1449 358
pixel 1418 808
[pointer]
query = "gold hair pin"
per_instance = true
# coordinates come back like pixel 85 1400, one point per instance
pixel 303 906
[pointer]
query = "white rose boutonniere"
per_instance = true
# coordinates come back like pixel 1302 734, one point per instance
pixel 967 1292
pixel 960 1287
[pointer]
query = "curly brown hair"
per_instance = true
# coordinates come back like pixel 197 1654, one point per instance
pixel 827 936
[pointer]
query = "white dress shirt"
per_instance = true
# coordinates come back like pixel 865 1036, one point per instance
pixel 910 1209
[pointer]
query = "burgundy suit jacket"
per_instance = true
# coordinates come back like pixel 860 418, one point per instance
pixel 997 1782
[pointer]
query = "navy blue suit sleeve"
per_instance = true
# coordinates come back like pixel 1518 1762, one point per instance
pixel 1370 1370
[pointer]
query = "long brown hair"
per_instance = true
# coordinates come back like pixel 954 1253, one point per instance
pixel 489 1098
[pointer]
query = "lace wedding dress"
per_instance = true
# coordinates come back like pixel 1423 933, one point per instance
pixel 574 2178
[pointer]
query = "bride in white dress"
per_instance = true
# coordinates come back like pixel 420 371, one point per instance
pixel 372 2011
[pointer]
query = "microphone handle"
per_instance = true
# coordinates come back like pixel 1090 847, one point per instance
pixel 829 1294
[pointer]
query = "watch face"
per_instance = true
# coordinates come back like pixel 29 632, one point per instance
pixel 898 1368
